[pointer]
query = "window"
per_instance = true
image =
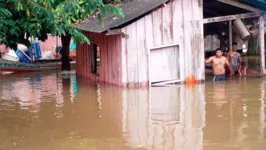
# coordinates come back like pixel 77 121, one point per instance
pixel 95 59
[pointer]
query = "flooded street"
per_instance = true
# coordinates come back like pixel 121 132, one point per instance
pixel 44 111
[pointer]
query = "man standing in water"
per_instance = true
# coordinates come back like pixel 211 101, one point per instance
pixel 235 60
pixel 218 65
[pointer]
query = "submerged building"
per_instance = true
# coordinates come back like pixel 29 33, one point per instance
pixel 159 41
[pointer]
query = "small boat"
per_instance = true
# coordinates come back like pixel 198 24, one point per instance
pixel 7 65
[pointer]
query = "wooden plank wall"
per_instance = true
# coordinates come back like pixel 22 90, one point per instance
pixel 179 22
pixel 110 58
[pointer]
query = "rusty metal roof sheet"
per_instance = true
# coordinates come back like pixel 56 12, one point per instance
pixel 133 9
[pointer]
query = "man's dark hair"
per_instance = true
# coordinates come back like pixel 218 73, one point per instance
pixel 219 49
pixel 234 43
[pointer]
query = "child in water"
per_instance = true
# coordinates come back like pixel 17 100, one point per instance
pixel 243 67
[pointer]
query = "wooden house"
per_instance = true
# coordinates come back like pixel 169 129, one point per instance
pixel 158 41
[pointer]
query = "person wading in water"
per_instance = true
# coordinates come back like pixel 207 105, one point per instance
pixel 218 65
pixel 235 60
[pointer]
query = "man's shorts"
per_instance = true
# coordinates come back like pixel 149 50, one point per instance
pixel 219 78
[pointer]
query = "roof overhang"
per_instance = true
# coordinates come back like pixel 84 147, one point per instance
pixel 133 9
pixel 257 4
pixel 240 4
pixel 218 8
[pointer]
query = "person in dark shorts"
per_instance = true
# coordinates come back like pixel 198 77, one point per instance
pixel 218 65
pixel 219 78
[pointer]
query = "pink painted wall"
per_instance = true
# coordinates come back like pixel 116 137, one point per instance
pixel 45 46
pixel 50 43
pixel 3 49
pixel 110 62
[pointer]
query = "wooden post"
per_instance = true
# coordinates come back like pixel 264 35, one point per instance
pixel 262 49
pixel 230 36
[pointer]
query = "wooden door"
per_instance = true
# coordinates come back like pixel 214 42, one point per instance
pixel 164 64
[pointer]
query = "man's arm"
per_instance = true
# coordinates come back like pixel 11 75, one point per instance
pixel 209 60
pixel 227 63
pixel 228 56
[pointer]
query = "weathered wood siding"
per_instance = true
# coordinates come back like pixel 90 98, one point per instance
pixel 110 58
pixel 179 22
pixel 125 61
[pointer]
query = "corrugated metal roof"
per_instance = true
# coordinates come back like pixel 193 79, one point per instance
pixel 133 9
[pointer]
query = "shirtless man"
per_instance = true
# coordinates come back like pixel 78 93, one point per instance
pixel 235 60
pixel 218 65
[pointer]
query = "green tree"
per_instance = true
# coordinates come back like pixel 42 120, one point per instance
pixel 37 18
pixel 4 12
pixel 68 12
pixel 23 19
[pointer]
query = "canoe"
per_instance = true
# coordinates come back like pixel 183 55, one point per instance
pixel 6 65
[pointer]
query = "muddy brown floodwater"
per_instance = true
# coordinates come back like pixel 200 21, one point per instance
pixel 43 111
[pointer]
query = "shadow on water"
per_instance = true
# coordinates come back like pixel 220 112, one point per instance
pixel 48 111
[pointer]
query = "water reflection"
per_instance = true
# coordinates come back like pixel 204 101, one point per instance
pixel 164 118
pixel 237 123
pixel 262 112
pixel 49 111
